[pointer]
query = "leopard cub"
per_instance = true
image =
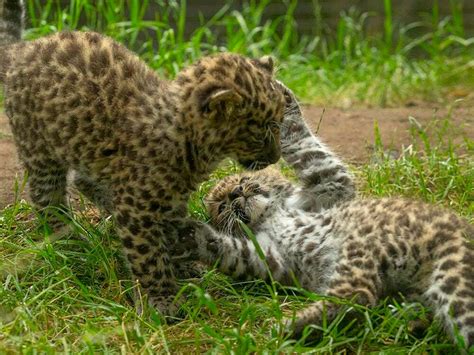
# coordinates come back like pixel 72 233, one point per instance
pixel 337 245
pixel 138 145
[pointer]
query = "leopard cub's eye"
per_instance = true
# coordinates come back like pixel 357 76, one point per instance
pixel 254 187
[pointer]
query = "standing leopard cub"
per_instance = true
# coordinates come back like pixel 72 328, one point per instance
pixel 334 244
pixel 139 145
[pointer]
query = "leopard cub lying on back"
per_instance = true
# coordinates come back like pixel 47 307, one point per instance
pixel 361 249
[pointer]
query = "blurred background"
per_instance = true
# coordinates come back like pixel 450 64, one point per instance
pixel 312 16
pixel 327 50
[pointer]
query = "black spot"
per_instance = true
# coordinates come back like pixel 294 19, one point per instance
pixel 108 152
pixel 468 260
pixel 355 253
pixel 238 79
pixel 469 321
pixel 143 249
pixel 404 220
pixel 445 226
pixel 128 243
pixel 442 237
pixel 308 230
pixel 310 247
pixel 403 247
pixel 466 293
pixel 146 195
pixel 199 69
pixel 155 206
pixel 99 61
pixel 365 230
pixel 326 221
pixel 369 264
pixel 470 338
pixel 448 264
pixel 450 285
pixel 147 222
pixel 272 263
pixel 299 223
pixel 458 308
pixel 134 228
pixel 448 251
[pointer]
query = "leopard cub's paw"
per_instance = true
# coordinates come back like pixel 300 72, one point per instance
pixel 169 306
pixel 294 328
pixel 288 327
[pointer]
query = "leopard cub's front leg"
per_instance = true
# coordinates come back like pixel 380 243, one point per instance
pixel 233 256
pixel 349 287
pixel 145 235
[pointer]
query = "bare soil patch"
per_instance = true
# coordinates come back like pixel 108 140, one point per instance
pixel 350 132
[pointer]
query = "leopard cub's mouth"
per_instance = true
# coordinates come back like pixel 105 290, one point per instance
pixel 240 209
pixel 249 209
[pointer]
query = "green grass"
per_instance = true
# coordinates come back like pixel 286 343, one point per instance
pixel 433 168
pixel 77 296
pixel 422 60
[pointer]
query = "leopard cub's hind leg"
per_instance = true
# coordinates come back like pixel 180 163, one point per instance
pixel 347 286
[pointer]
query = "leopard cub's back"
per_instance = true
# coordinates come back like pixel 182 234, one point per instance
pixel 391 246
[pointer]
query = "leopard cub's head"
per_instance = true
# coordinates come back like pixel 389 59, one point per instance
pixel 244 198
pixel 236 105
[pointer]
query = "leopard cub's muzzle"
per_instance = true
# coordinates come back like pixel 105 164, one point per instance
pixel 270 155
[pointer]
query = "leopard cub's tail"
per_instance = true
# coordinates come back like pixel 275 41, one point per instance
pixel 11 21
pixel 451 290
pixel 11 26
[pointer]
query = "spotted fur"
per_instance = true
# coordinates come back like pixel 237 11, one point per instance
pixel 354 248
pixel 138 145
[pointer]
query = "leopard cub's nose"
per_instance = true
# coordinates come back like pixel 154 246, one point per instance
pixel 236 193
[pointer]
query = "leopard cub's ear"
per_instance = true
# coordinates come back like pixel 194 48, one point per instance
pixel 222 103
pixel 266 62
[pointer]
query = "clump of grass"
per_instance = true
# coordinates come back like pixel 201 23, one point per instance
pixel 433 168
pixel 342 68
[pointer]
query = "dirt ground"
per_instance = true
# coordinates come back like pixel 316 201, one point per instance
pixel 349 132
